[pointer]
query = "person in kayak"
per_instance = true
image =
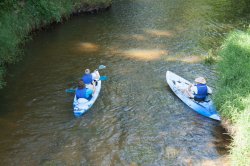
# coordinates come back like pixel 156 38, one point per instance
pixel 90 79
pixel 83 92
pixel 199 91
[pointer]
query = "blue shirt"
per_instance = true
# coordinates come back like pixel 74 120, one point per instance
pixel 84 93
pixel 87 78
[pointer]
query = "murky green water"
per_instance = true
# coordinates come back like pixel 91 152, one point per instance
pixel 136 120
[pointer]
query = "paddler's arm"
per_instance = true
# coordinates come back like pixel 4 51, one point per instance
pixel 192 90
pixel 209 91
pixel 189 87
pixel 93 84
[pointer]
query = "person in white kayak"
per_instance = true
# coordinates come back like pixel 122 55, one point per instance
pixel 83 92
pixel 90 79
pixel 199 91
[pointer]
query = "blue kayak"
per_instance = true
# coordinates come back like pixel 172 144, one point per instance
pixel 205 108
pixel 82 105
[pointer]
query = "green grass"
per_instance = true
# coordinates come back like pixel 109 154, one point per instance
pixel 18 18
pixel 233 95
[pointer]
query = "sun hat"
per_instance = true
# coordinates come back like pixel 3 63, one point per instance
pixel 200 80
pixel 87 71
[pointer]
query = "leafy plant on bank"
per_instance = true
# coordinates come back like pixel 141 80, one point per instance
pixel 19 17
pixel 233 95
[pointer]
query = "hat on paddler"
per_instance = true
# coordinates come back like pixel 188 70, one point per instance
pixel 200 80
pixel 87 71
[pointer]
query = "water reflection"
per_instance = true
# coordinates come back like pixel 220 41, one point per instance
pixel 159 33
pixel 137 37
pixel 87 47
pixel 186 59
pixel 143 54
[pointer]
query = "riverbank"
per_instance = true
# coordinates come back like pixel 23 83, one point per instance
pixel 233 96
pixel 19 18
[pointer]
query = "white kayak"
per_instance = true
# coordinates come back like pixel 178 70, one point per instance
pixel 82 105
pixel 205 108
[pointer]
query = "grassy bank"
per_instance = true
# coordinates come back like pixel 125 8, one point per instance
pixel 233 96
pixel 18 18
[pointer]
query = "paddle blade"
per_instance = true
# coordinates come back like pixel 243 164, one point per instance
pixel 102 67
pixel 70 90
pixel 103 78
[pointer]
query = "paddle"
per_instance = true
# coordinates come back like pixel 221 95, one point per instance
pixel 102 78
pixel 70 90
pixel 101 67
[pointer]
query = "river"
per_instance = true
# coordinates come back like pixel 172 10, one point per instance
pixel 136 120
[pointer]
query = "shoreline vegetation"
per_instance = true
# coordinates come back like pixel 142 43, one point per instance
pixel 19 18
pixel 233 95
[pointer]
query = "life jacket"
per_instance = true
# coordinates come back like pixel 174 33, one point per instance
pixel 81 93
pixel 87 79
pixel 201 92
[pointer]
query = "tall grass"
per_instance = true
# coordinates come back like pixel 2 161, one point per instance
pixel 233 95
pixel 18 18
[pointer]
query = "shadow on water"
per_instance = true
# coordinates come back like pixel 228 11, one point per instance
pixel 136 120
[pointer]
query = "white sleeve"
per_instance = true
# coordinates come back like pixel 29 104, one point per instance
pixel 194 89
pixel 95 75
pixel 209 90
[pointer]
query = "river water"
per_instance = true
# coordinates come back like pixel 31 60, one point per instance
pixel 136 120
